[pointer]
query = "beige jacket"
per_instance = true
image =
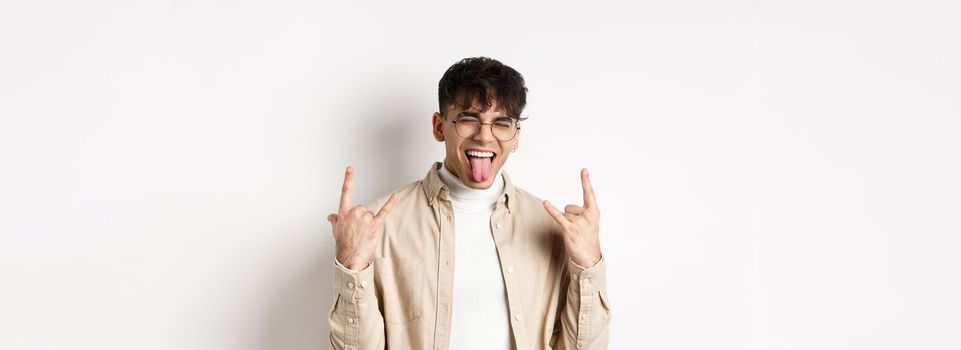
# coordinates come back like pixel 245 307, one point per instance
pixel 403 299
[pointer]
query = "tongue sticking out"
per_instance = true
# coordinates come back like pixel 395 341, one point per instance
pixel 480 168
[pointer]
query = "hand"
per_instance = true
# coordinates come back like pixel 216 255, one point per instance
pixel 580 226
pixel 356 228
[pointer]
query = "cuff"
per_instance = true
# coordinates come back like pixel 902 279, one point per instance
pixel 353 284
pixel 588 280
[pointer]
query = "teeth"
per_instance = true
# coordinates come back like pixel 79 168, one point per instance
pixel 480 154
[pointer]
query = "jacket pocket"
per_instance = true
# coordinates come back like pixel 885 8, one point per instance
pixel 401 284
pixel 606 304
pixel 330 313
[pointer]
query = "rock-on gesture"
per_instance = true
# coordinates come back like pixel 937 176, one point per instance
pixel 356 228
pixel 580 226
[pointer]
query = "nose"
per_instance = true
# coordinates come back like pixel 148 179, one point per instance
pixel 485 134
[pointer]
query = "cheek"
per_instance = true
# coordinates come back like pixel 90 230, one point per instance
pixel 453 148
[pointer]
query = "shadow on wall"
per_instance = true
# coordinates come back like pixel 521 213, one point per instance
pixel 393 152
pixel 297 316
pixel 387 134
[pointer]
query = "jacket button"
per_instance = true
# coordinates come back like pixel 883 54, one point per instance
pixel 517 317
pixel 350 284
pixel 498 226
pixel 510 269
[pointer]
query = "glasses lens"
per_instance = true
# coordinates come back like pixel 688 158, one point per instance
pixel 467 126
pixel 502 129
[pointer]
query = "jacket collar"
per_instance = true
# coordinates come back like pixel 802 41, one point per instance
pixel 434 188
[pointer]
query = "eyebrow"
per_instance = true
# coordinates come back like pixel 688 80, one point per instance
pixel 477 115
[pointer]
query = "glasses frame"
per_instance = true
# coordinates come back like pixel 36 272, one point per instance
pixel 517 126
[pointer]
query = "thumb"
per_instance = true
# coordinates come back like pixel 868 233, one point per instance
pixel 332 218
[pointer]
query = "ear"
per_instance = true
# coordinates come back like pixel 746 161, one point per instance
pixel 438 127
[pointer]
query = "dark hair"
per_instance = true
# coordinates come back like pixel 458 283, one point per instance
pixel 482 80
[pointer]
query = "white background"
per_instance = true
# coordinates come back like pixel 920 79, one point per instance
pixel 772 174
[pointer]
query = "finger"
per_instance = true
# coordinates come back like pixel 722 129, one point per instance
pixel 573 209
pixel 345 192
pixel 555 214
pixel 332 218
pixel 386 208
pixel 589 201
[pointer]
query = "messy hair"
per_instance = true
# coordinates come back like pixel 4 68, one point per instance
pixel 484 81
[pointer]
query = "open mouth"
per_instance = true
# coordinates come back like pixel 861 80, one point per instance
pixel 481 164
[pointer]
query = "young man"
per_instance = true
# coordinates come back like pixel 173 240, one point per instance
pixel 464 259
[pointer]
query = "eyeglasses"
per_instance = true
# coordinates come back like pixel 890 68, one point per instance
pixel 503 129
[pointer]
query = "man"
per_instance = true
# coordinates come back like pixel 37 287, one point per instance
pixel 463 259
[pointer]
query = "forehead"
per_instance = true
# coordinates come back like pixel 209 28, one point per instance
pixel 477 107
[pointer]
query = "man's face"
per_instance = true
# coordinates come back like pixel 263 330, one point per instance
pixel 474 172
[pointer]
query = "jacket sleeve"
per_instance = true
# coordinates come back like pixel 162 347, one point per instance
pixel 585 316
pixel 355 320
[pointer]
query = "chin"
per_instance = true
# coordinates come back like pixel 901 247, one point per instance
pixel 478 185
